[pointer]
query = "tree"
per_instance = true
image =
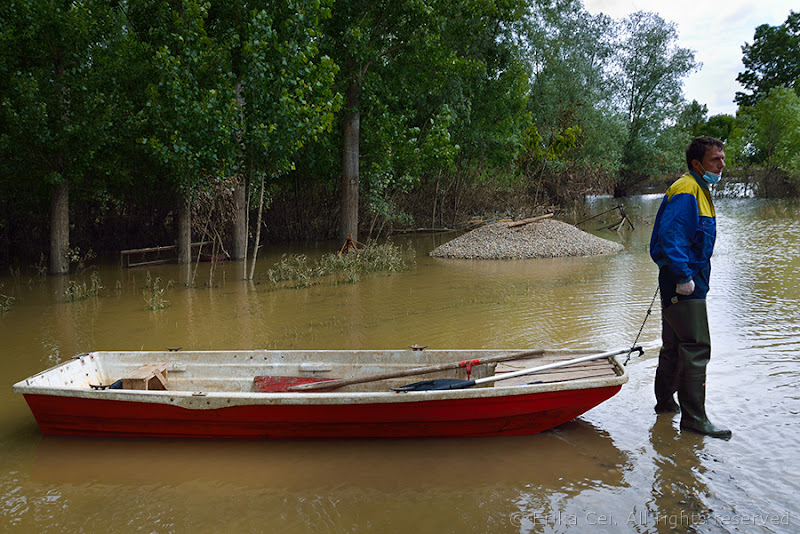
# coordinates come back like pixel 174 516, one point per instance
pixel 423 81
pixel 284 87
pixel 484 78
pixel 236 88
pixel 455 102
pixel 772 60
pixel 571 88
pixel 692 117
pixel 364 38
pixel 771 133
pixel 649 72
pixel 189 111
pixel 720 126
pixel 54 99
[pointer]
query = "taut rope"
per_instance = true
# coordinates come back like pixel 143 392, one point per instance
pixel 649 311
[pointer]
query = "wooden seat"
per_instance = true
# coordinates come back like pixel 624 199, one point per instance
pixel 152 376
pixel 586 370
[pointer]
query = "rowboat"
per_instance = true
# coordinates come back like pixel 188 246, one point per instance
pixel 262 394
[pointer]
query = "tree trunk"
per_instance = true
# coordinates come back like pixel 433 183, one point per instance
pixel 59 193
pixel 258 230
pixel 350 152
pixel 59 228
pixel 239 248
pixel 184 232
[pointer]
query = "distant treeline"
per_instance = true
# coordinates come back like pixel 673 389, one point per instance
pixel 134 123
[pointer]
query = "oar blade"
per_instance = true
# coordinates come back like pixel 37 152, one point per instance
pixel 439 384
pixel 281 384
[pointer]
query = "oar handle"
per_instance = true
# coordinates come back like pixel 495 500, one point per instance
pixel 333 384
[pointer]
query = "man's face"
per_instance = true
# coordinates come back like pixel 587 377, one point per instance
pixel 713 161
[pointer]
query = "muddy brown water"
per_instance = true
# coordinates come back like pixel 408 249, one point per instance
pixel 618 468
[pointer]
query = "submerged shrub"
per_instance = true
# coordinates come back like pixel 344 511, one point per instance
pixel 334 268
pixel 76 291
pixel 5 301
pixel 154 293
pixel 293 269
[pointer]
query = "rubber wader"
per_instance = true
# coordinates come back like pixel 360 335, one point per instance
pixel 688 322
pixel 666 383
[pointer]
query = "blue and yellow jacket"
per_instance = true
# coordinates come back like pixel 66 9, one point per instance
pixel 684 233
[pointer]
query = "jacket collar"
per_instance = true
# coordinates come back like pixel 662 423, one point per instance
pixel 699 180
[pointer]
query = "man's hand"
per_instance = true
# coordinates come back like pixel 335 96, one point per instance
pixel 686 288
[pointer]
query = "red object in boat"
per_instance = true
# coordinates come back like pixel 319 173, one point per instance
pixel 211 395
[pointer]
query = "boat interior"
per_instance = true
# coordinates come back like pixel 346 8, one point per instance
pixel 278 371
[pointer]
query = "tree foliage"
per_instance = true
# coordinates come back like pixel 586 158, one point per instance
pixel 650 69
pixel 352 111
pixel 571 97
pixel 723 127
pixel 189 108
pixel 54 104
pixel 771 131
pixel 771 60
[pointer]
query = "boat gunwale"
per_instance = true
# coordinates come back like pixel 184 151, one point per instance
pixel 208 400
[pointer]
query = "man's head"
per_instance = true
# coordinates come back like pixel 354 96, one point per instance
pixel 705 154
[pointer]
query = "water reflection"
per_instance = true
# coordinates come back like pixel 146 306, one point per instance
pixel 312 486
pixel 302 466
pixel 678 491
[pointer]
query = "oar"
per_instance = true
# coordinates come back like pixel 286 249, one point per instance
pixel 333 384
pixel 453 383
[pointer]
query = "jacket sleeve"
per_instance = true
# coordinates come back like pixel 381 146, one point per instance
pixel 679 224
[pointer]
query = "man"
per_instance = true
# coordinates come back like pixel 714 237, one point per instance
pixel 681 245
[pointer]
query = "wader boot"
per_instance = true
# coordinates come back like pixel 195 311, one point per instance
pixel 689 321
pixel 666 383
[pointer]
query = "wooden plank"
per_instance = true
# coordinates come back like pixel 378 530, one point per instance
pixel 507 367
pixel 547 378
pixel 125 255
pixel 153 262
pixel 163 248
pixel 592 369
pixel 588 368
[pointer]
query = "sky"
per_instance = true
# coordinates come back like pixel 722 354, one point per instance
pixel 716 31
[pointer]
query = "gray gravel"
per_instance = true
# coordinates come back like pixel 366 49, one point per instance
pixel 541 239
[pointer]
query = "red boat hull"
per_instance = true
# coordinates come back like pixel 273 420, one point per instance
pixel 463 417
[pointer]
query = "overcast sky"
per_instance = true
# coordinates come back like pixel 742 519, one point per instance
pixel 716 31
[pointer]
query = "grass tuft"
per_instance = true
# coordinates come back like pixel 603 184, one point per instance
pixel 295 271
pixel 154 293
pixel 5 302
pixel 80 291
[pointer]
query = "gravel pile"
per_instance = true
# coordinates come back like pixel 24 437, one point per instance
pixel 541 239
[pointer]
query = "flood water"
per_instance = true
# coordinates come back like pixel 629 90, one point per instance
pixel 618 468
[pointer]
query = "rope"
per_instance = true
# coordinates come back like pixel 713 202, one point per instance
pixel 649 311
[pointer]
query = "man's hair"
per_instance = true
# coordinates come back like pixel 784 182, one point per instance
pixel 698 148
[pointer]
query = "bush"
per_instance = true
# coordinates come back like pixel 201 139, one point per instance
pixel 294 271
